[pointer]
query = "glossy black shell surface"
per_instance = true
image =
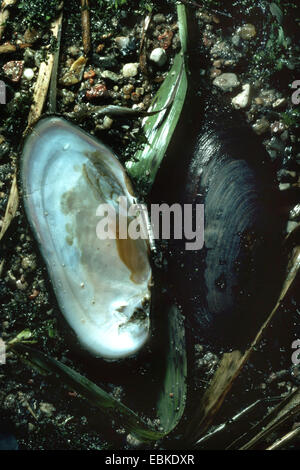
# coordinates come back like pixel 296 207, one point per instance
pixel 228 287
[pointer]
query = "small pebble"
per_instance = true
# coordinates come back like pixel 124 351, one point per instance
pixel 165 39
pixel 126 45
pixel 34 294
pixel 13 70
pixel 29 263
pixel 247 31
pixel 28 74
pixel 158 56
pixel 130 70
pixel 75 74
pixel 259 101
pixel 97 91
pixel 89 74
pixel 128 89
pixel 226 81
pixel 68 97
pixel 295 213
pixel 122 41
pixel 29 56
pixel 107 122
pixel 21 284
pixel 47 408
pixel 31 36
pixel 284 186
pixel 291 225
pixel 279 103
pixel 261 126
pixel 242 100
pixel 74 51
pixel 277 127
pixel 215 72
pixel 286 176
pixel 159 18
pixel 236 40
pixel 100 48
pixel 133 441
pixel 107 74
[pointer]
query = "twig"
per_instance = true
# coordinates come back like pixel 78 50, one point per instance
pixel 53 83
pixel 264 423
pixel 26 404
pixel 11 208
pixel 234 420
pixel 4 14
pixel 42 83
pixel 86 26
pixel 289 411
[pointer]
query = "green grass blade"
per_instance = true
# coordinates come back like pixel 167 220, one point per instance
pixel 158 129
pixel 95 395
pixel 172 396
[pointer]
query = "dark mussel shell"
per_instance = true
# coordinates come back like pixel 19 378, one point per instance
pixel 228 287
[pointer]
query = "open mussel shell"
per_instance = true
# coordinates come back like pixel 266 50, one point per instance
pixel 101 285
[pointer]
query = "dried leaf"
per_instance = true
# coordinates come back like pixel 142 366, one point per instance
pixel 8 48
pixel 42 83
pixel 53 82
pixel 11 208
pixel 284 412
pixel 287 438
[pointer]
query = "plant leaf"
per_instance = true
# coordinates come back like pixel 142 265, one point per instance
pixel 171 401
pixel 169 407
pixel 285 411
pixel 276 11
pixel 159 128
pixel 95 395
pixel 11 208
pixel 232 364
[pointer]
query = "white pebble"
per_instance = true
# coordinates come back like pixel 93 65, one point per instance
pixel 130 70
pixel 28 74
pixel 226 81
pixel 159 56
pixel 107 122
pixel 291 225
pixel 242 100
pixel 279 103
pixel 284 186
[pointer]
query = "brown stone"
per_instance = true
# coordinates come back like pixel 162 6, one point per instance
pixel 13 70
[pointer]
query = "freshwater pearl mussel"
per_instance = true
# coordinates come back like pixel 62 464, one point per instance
pixel 101 285
pixel 227 288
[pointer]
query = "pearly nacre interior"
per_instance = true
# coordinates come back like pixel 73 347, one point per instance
pixel 101 285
